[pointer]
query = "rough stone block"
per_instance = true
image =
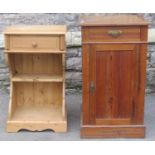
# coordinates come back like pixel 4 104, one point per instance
pixel 73 79
pixel 74 63
pixel 152 62
pixel 72 52
pixel 151 80
pixel 4 76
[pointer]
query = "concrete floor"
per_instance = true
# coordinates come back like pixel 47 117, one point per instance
pixel 73 104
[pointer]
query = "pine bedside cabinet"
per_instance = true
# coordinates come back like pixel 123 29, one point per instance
pixel 36 58
pixel 114 67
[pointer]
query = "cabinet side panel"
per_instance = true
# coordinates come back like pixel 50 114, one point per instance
pixel 62 42
pixel 11 64
pixel 85 84
pixel 63 87
pixel 139 109
pixel 138 117
pixel 7 47
pixel 13 101
pixel 144 33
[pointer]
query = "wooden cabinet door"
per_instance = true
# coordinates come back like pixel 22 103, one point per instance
pixel 114 76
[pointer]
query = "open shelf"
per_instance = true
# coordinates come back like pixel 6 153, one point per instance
pixel 39 113
pixel 40 66
pixel 35 51
pixel 37 94
pixel 37 78
pixel 36 106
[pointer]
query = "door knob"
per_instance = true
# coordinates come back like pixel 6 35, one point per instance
pixel 92 87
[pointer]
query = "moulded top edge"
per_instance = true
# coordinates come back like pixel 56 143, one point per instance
pixel 36 29
pixel 113 20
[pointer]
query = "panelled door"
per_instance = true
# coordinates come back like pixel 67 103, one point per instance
pixel 114 76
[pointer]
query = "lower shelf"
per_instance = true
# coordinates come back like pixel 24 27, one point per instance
pixel 113 131
pixel 37 78
pixel 37 118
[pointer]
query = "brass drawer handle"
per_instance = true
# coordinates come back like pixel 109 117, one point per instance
pixel 34 44
pixel 115 33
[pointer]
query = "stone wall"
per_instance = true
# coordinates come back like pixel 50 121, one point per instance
pixel 73 39
pixel 70 19
pixel 150 87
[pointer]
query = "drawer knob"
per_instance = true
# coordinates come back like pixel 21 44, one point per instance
pixel 34 44
pixel 115 33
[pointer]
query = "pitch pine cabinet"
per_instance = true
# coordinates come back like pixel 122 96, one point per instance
pixel 114 52
pixel 36 58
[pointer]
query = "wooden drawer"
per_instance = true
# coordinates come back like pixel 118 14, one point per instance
pixel 112 34
pixel 35 42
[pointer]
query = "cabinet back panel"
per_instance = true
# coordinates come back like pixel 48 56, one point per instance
pixel 37 64
pixel 37 94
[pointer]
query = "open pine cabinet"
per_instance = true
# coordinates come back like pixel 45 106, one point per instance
pixel 36 59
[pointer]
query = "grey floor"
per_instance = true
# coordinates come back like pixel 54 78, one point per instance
pixel 74 105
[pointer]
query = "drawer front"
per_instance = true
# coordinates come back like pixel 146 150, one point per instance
pixel 112 34
pixel 19 42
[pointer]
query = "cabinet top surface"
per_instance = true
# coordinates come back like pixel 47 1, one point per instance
pixel 114 20
pixel 36 29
